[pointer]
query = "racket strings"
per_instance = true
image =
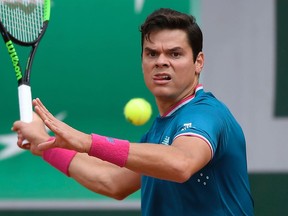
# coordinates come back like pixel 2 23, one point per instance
pixel 23 19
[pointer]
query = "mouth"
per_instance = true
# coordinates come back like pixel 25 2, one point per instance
pixel 162 77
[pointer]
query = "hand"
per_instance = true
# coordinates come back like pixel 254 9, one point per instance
pixel 66 136
pixel 35 132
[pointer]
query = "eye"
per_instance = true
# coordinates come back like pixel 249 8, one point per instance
pixel 175 54
pixel 151 53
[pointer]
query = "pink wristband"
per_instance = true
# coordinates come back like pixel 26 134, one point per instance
pixel 110 149
pixel 59 158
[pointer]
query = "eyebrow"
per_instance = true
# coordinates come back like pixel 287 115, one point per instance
pixel 175 49
pixel 169 50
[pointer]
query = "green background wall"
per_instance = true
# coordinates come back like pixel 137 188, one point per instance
pixel 87 67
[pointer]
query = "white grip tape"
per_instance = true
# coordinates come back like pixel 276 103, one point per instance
pixel 25 104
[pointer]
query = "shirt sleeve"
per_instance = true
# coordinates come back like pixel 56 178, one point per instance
pixel 205 124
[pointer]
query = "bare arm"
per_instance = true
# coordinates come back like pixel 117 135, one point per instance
pixel 177 162
pixel 103 177
pixel 97 175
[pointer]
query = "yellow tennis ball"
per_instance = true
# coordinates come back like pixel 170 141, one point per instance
pixel 137 111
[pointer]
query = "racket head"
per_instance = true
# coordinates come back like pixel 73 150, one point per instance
pixel 25 21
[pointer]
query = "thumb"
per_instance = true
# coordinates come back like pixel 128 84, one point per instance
pixel 17 125
pixel 46 145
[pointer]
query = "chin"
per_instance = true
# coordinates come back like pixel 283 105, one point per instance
pixel 163 95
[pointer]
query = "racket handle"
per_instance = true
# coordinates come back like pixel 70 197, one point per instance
pixel 25 104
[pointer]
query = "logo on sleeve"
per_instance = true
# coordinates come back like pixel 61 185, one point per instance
pixel 186 126
pixel 166 140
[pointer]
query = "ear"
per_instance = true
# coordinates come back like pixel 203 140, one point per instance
pixel 199 63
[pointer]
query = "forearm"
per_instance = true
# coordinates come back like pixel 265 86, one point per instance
pixel 173 162
pixel 176 162
pixel 102 177
pixel 143 158
pixel 112 167
pixel 159 161
pixel 150 159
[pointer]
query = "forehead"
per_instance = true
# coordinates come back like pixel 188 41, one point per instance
pixel 167 37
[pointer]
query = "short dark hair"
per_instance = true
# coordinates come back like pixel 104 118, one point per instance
pixel 166 18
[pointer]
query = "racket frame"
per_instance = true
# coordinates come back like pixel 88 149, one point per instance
pixel 23 79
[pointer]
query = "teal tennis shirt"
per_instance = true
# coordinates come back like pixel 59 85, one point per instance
pixel 220 188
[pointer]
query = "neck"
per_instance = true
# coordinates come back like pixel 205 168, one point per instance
pixel 165 104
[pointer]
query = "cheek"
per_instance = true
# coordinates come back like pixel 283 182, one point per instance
pixel 144 66
pixel 186 74
pixel 147 80
pixel 146 70
pixel 145 75
pixel 189 68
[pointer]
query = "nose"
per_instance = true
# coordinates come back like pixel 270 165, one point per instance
pixel 162 61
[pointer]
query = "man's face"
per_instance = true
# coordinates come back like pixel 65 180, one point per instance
pixel 167 62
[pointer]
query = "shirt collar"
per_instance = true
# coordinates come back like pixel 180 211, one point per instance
pixel 182 102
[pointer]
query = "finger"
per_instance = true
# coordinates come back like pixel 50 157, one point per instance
pixel 39 111
pixel 37 104
pixel 41 105
pixel 42 110
pixel 46 145
pixel 50 121
pixel 27 146
pixel 20 142
pixel 54 126
pixel 16 125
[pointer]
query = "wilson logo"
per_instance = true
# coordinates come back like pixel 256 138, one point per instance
pixel 14 58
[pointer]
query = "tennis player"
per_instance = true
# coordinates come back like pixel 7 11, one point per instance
pixel 192 161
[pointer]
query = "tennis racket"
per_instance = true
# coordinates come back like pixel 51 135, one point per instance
pixel 23 22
